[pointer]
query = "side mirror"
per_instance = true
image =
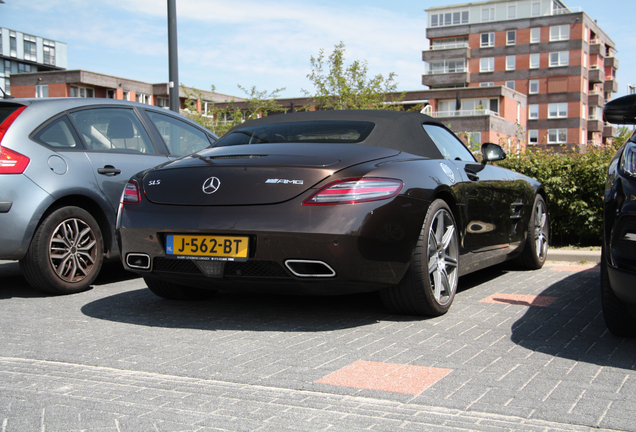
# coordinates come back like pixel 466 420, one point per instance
pixel 621 110
pixel 492 153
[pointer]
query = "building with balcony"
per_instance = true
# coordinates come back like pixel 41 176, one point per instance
pixel 558 57
pixel 21 52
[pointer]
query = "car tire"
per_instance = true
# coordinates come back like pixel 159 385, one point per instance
pixel 618 318
pixel 429 285
pixel 173 291
pixel 535 251
pixel 66 252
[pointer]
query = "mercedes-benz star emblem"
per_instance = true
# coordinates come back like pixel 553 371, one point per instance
pixel 211 185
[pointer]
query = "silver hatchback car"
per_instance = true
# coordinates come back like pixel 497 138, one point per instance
pixel 63 166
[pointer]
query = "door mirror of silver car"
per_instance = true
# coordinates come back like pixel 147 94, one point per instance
pixel 492 153
pixel 621 110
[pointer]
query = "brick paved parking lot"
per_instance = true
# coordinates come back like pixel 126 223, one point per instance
pixel 524 351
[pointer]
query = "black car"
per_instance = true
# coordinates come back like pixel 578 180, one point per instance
pixel 331 202
pixel 618 256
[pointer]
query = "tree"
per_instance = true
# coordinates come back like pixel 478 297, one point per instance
pixel 347 87
pixel 221 120
pixel 623 135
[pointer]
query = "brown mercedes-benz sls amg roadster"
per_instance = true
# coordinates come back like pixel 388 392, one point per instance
pixel 331 202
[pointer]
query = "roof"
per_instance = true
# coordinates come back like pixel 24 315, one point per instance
pixel 400 130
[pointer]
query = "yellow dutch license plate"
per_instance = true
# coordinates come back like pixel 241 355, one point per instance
pixel 213 247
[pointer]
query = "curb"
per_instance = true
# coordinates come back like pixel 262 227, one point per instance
pixel 574 255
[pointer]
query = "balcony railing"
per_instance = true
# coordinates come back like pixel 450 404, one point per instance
pixel 446 70
pixel 450 45
pixel 464 113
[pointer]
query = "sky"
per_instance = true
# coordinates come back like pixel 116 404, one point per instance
pixel 267 44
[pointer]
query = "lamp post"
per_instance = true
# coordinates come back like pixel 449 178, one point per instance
pixel 173 58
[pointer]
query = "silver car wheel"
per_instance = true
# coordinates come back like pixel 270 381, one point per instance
pixel 541 230
pixel 442 257
pixel 72 250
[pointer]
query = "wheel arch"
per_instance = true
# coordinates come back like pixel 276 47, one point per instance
pixel 96 210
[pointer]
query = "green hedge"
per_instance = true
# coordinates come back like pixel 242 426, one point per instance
pixel 575 184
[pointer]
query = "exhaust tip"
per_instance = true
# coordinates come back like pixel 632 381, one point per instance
pixel 139 261
pixel 310 268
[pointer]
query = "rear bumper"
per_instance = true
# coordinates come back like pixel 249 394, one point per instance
pixel 19 221
pixel 367 245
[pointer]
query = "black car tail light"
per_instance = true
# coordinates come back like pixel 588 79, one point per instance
pixel 131 193
pixel 11 162
pixel 349 191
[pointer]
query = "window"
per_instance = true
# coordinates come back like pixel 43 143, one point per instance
pixel 112 130
pixel 488 14
pixel 13 44
pixel 142 98
pixel 163 102
pixel 59 134
pixel 558 110
pixel 510 63
pixel 557 136
pixel 449 18
pixel 584 59
pixel 559 33
pixel 180 137
pixel 445 66
pixel 49 52
pixel 533 111
pixel 536 9
pixel 473 139
pixel 561 58
pixel 25 68
pixel 487 40
pixel 448 144
pixel 511 37
pixel 533 87
pixel 535 61
pixel 533 136
pixel 512 11
pixel 584 111
pixel 510 85
pixel 81 92
pixel 487 64
pixel 535 35
pixel 30 52
pixel 41 91
pixel 486 84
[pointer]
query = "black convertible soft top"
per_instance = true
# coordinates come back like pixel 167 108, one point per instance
pixel 398 130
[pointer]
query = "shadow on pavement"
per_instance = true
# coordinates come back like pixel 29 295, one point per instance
pixel 13 283
pixel 573 326
pixel 255 311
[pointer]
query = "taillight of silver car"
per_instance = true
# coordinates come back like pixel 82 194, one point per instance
pixel 11 162
pixel 350 191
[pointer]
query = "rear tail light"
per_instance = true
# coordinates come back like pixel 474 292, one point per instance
pixel 351 191
pixel 131 193
pixel 11 162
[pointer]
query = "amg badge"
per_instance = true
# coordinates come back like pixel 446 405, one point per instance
pixel 284 181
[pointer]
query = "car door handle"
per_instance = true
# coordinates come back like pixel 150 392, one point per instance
pixel 109 170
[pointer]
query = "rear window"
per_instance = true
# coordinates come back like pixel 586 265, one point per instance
pixel 5 111
pixel 299 132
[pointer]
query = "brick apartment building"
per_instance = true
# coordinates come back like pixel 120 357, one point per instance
pixel 556 56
